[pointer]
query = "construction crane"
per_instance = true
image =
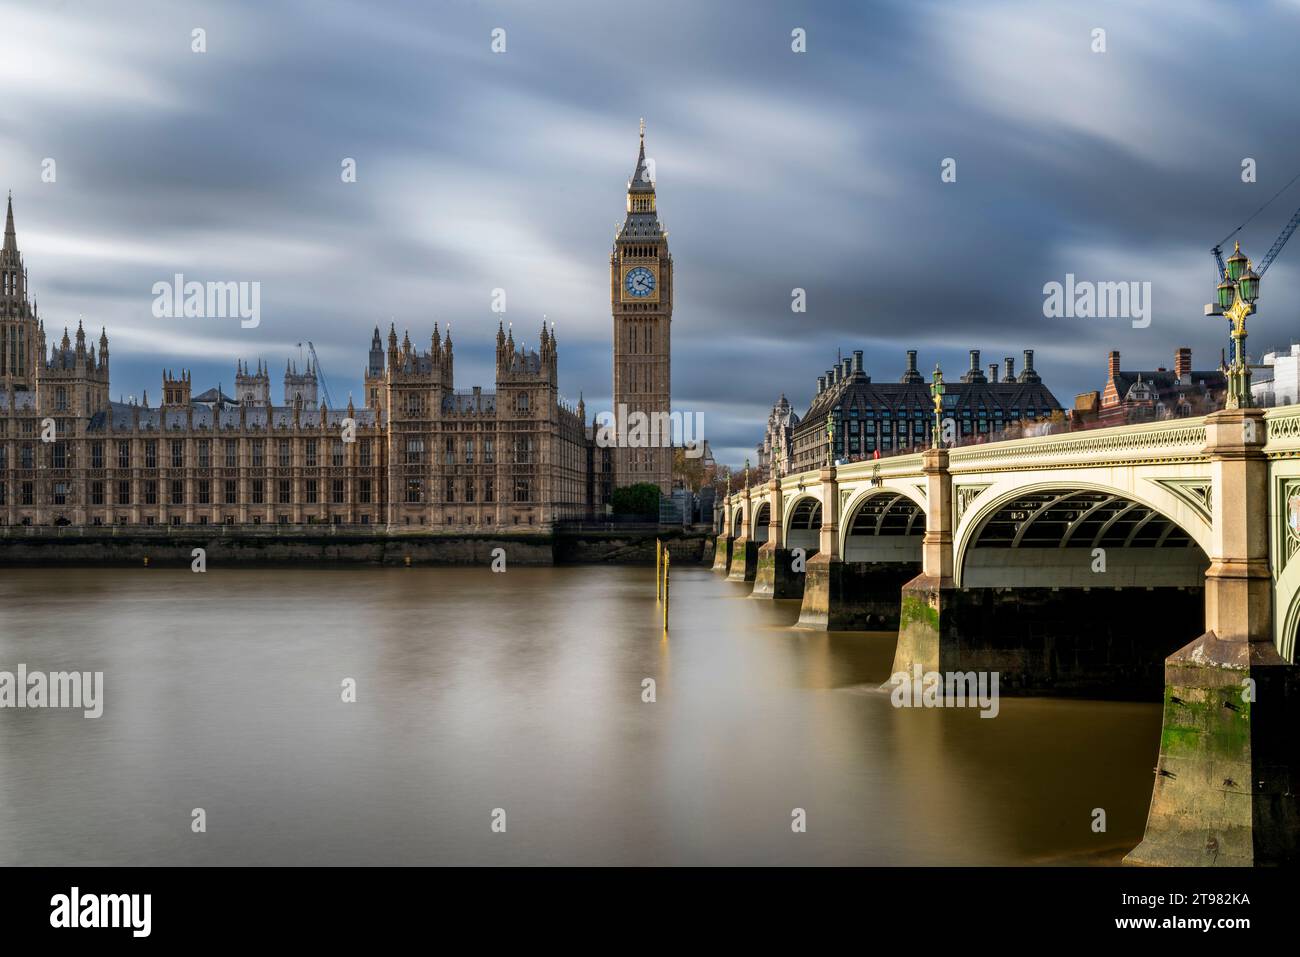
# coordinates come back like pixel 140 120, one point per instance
pixel 1278 243
pixel 1287 230
pixel 320 374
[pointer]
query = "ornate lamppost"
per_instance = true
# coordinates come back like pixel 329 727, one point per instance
pixel 1236 300
pixel 936 393
pixel 830 439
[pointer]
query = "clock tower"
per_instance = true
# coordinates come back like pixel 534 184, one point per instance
pixel 641 298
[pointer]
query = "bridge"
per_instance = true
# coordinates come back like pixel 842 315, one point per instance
pixel 1108 563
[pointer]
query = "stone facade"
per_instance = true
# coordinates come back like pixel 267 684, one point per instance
pixel 419 456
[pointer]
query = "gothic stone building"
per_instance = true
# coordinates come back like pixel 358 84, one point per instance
pixel 418 456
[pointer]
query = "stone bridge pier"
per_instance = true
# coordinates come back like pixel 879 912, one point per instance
pixel 772 575
pixel 1227 787
pixel 722 548
pixel 744 550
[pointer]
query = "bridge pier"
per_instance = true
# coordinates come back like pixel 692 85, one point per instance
pixel 744 550
pixel 772 564
pixel 776 575
pixel 1227 785
pixel 722 553
pixel 853 596
pixel 744 560
pixel 924 598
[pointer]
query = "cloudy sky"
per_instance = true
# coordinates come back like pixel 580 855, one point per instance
pixel 820 170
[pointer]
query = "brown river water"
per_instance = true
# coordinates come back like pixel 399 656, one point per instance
pixel 521 692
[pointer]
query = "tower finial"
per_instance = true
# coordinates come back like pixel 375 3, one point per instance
pixel 10 241
pixel 643 127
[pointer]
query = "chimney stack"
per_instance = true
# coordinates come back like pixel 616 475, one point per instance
pixel 821 384
pixel 1029 375
pixel 1011 369
pixel 1183 363
pixel 993 372
pixel 910 374
pixel 846 368
pixel 1113 366
pixel 857 360
pixel 974 373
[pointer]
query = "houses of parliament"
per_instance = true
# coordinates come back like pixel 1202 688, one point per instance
pixel 419 455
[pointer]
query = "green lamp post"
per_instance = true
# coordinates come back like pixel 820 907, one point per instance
pixel 1236 296
pixel 936 393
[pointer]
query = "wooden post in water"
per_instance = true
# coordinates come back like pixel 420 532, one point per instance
pixel 667 566
pixel 659 560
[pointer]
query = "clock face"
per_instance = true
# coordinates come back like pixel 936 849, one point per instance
pixel 639 282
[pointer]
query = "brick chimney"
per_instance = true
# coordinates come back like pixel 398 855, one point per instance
pixel 1113 368
pixel 1183 363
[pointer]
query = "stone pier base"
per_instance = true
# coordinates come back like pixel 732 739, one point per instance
pixel 1065 642
pixel 722 554
pixel 853 596
pixel 744 560
pixel 775 576
pixel 1227 791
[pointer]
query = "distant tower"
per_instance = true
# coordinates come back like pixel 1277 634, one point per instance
pixel 374 377
pixel 641 299
pixel 252 388
pixel 19 348
pixel 176 390
pixel 300 385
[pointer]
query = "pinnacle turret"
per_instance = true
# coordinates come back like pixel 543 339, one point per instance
pixel 11 238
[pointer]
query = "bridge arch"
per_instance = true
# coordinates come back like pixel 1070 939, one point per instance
pixel 762 519
pixel 1286 607
pixel 882 524
pixel 1046 534
pixel 803 523
pixel 737 519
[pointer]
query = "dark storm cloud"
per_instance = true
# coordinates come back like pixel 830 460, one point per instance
pixel 776 170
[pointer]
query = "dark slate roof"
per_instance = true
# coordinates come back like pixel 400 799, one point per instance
pixel 1164 381
pixel 213 396
pixel 907 397
pixel 641 225
pixel 525 362
pixel 469 402
pixel 416 362
pixel 120 414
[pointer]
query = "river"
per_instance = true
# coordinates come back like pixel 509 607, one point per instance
pixel 520 691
